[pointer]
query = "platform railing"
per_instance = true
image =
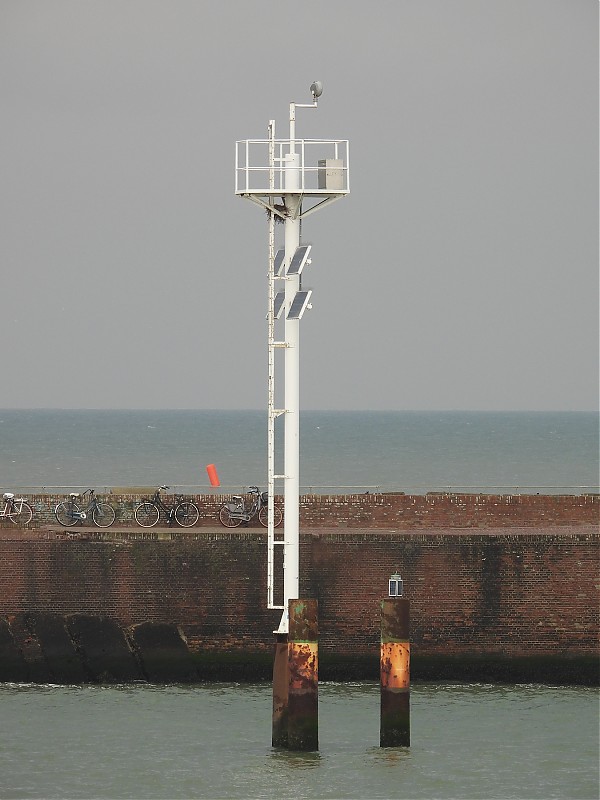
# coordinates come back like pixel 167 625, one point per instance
pixel 254 173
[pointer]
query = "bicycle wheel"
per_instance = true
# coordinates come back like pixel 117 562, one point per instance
pixel 65 513
pixel 226 519
pixel 277 516
pixel 103 515
pixel 146 514
pixel 186 514
pixel 21 515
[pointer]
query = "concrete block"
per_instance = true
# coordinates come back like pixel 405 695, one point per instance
pixel 163 653
pixel 103 648
pixel 62 659
pixel 12 663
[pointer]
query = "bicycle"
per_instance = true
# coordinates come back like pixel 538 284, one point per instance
pixel 68 512
pixel 183 512
pixel 16 509
pixel 233 514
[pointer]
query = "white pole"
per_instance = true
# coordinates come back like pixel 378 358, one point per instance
pixel 292 426
pixel 291 549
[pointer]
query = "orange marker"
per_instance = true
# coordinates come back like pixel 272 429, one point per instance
pixel 212 475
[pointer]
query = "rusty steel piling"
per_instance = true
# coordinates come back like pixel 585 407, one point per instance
pixel 395 673
pixel 303 666
pixel 280 691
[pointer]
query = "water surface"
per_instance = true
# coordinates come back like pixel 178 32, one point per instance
pixel 213 741
pixel 353 451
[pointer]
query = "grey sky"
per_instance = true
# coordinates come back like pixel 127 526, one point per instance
pixel 460 273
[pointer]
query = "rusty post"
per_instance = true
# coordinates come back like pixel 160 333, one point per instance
pixel 280 691
pixel 303 664
pixel 394 728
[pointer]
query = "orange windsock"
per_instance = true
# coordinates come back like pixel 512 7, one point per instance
pixel 212 475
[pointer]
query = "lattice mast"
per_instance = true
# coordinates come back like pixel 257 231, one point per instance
pixel 306 174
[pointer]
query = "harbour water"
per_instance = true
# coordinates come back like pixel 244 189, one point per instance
pixel 213 741
pixel 545 452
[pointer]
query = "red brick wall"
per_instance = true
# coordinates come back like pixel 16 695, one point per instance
pixel 404 512
pixel 388 511
pixel 515 594
pixel 496 594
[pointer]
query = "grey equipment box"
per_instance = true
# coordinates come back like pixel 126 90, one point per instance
pixel 331 174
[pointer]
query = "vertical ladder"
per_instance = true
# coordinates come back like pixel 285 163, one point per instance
pixel 273 413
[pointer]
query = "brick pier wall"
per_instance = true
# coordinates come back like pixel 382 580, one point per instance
pixel 510 593
pixel 387 511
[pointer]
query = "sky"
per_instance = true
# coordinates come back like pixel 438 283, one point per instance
pixel 461 272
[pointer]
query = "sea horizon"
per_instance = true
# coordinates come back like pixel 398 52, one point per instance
pixel 340 451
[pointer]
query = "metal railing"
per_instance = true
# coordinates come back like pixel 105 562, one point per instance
pixel 254 173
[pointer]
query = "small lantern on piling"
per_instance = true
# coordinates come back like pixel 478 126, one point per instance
pixel 395 666
pixel 395 585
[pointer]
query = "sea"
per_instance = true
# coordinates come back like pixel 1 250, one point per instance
pixel 340 451
pixel 468 742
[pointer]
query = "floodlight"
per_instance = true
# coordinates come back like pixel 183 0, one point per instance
pixel 316 89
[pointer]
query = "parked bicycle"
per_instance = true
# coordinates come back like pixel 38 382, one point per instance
pixel 183 512
pixel 16 509
pixel 69 513
pixel 233 514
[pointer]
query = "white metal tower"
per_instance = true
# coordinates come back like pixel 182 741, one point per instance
pixel 306 175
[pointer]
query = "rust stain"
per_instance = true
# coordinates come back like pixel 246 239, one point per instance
pixel 395 665
pixel 303 662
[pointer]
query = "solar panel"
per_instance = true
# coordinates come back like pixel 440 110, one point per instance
pixel 299 304
pixel 278 262
pixel 299 260
pixel 278 304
